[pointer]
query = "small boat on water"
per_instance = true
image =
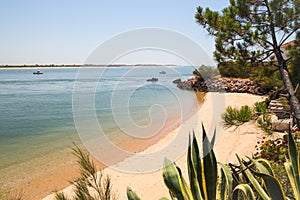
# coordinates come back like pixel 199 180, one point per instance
pixel 38 72
pixel 152 79
pixel 162 72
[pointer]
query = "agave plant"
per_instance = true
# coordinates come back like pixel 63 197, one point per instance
pixel 252 179
pixel 292 166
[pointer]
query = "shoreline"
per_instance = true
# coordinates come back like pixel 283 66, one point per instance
pixel 228 143
pixel 47 180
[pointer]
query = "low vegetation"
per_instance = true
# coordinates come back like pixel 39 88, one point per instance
pixel 276 151
pixel 234 116
pixel 91 184
pixel 265 123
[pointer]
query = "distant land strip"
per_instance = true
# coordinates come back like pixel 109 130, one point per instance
pixel 84 65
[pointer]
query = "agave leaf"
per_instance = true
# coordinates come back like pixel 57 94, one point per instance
pixel 267 165
pixel 226 182
pixel 294 158
pixel 222 186
pixel 131 195
pixel 194 169
pixel 235 174
pixel 289 169
pixel 213 139
pixel 253 181
pixel 164 198
pixel 262 168
pixel 273 186
pixel 210 168
pixel 175 182
pixel 246 191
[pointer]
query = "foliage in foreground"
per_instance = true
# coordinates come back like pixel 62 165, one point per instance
pixel 276 151
pixel 252 179
pixel 91 184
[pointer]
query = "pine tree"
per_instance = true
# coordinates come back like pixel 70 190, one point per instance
pixel 253 31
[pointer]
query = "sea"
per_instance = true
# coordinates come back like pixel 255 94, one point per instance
pixel 48 113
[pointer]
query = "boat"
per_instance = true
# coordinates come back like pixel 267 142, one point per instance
pixel 152 79
pixel 38 72
pixel 162 72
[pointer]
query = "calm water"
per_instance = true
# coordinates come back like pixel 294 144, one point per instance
pixel 36 116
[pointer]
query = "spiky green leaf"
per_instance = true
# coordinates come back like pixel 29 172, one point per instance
pixel 131 195
pixel 226 182
pixel 295 163
pixel 210 167
pixel 173 179
pixel 195 169
pixel 245 190
pixel 273 186
pixel 253 181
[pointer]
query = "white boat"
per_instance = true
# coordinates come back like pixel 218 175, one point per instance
pixel 152 79
pixel 38 72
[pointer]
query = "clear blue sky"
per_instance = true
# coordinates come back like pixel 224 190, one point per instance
pixel 67 31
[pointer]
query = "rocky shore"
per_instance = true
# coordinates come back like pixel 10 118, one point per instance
pixel 221 85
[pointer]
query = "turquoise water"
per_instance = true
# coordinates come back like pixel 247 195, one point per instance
pixel 36 116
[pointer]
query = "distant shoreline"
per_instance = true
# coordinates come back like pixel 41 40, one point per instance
pixel 85 65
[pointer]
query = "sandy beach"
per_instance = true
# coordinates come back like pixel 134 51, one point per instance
pixel 142 172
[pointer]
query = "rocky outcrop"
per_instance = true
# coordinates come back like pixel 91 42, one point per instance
pixel 221 85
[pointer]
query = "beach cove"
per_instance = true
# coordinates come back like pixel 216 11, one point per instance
pixel 241 140
pixel 37 127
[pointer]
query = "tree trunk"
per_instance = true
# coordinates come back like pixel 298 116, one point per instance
pixel 293 100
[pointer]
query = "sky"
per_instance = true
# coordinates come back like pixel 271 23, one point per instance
pixel 68 31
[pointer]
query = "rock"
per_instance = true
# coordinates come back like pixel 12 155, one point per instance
pixel 281 125
pixel 185 85
pixel 220 85
pixel 177 81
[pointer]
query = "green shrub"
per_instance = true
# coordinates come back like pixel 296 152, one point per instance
pixel 273 150
pixel 230 116
pixel 232 69
pixel 244 114
pixel 260 108
pixel 267 77
pixel 263 118
pixel 206 72
pixel 265 123
pixel 234 116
